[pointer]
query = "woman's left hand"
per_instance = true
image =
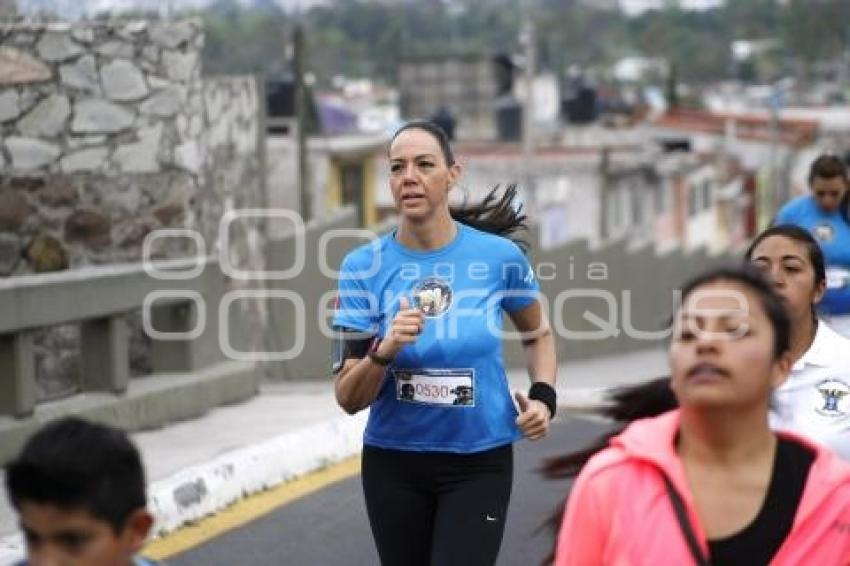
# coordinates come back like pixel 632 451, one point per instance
pixel 533 419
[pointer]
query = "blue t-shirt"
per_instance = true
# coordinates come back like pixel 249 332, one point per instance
pixel 833 234
pixel 448 390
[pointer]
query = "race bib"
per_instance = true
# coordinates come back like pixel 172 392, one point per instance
pixel 837 277
pixel 444 387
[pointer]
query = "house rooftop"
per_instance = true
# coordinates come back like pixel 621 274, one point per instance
pixel 750 126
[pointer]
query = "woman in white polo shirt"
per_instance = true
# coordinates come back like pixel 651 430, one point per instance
pixel 815 399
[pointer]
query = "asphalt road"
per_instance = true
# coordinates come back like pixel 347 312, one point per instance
pixel 330 528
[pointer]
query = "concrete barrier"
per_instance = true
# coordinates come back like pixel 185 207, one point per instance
pixel 602 301
pixel 325 246
pixel 191 374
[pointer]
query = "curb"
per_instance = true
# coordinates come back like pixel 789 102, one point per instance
pixel 203 489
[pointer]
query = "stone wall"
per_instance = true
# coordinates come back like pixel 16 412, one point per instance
pixel 234 152
pixel 108 131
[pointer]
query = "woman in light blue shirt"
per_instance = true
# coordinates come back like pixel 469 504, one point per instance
pixel 825 214
pixel 419 320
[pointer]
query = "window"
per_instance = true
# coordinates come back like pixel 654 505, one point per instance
pixel 636 201
pixel 706 194
pixel 351 185
pixel 693 200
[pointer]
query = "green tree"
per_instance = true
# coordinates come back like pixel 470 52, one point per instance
pixel 817 29
pixel 368 37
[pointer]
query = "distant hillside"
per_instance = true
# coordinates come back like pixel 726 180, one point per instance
pixel 367 38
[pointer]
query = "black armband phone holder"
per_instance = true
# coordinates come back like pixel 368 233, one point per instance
pixel 348 343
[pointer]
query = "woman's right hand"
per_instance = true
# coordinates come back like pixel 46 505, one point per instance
pixel 404 329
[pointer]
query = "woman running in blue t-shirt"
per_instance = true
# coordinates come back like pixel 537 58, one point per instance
pixel 419 321
pixel 825 213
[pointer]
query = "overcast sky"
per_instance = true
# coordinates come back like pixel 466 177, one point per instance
pixel 633 7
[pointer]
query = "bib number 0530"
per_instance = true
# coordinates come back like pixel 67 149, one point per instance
pixel 445 387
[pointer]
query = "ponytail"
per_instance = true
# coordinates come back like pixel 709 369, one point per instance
pixel 496 214
pixel 624 405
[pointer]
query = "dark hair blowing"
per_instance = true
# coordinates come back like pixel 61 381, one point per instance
pixel 828 166
pixel 652 398
pixel 75 464
pixel 495 214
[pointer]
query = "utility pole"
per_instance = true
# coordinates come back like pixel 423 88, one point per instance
pixel 778 196
pixel 527 41
pixel 302 115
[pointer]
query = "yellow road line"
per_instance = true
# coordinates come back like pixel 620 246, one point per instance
pixel 248 509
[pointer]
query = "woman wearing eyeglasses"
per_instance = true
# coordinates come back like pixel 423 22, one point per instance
pixel 825 213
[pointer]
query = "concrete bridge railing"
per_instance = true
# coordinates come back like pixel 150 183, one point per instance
pixel 190 373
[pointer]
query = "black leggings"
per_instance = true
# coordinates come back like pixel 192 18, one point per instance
pixel 437 508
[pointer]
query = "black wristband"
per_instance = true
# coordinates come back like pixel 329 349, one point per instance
pixel 545 393
pixel 379 360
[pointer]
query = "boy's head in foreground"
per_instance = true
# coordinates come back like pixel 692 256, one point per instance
pixel 79 490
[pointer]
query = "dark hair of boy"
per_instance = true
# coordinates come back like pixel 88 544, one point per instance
pixel 75 464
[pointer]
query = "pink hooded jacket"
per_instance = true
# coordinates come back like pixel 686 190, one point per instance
pixel 619 513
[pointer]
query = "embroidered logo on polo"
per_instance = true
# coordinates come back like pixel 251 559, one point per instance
pixel 445 387
pixel 432 297
pixel 824 232
pixel 834 393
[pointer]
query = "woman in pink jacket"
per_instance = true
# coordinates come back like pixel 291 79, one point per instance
pixel 710 483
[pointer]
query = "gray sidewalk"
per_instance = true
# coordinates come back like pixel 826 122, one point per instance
pixel 197 467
